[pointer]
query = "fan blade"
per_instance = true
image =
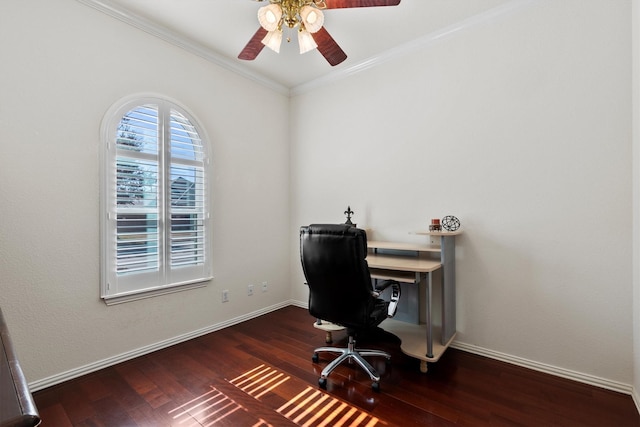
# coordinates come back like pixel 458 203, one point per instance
pixel 328 47
pixel 254 47
pixel 341 4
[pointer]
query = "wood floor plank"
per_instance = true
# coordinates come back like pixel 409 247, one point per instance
pixel 260 373
pixel 55 415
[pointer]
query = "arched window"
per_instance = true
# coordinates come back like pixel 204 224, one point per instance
pixel 155 213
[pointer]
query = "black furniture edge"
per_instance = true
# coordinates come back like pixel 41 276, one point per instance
pixel 17 408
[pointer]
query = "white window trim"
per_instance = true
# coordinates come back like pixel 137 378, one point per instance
pixel 109 126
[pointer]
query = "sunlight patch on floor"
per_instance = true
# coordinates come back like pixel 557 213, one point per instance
pixel 208 409
pixel 309 408
pixel 259 381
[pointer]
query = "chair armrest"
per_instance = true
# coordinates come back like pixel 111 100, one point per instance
pixel 395 294
pixel 381 285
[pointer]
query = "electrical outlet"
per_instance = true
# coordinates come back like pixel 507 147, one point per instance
pixel 265 286
pixel 250 290
pixel 225 295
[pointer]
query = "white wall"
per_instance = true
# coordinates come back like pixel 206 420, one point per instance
pixel 63 65
pixel 521 128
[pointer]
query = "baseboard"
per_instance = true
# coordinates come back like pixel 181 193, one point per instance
pixel 548 369
pixel 636 398
pixel 300 304
pixel 110 361
pixel 515 360
pixel 540 367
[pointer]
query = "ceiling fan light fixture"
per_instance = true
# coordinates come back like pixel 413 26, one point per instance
pixel 312 18
pixel 308 18
pixel 273 40
pixel 269 16
pixel 306 41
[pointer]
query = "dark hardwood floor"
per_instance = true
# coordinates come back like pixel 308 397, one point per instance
pixel 259 373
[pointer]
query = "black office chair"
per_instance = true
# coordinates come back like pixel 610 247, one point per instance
pixel 341 291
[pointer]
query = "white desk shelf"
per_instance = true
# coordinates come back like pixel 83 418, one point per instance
pixel 414 343
pixel 411 263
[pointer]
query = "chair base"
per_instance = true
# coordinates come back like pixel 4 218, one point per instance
pixel 348 354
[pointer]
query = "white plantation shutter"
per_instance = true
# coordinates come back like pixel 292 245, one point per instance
pixel 155 219
pixel 137 203
pixel 187 210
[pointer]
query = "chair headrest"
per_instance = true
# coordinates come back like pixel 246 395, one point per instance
pixel 336 230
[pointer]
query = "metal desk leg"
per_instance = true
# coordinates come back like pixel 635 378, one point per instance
pixel 448 259
pixel 428 314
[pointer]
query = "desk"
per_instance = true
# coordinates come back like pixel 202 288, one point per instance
pixel 410 263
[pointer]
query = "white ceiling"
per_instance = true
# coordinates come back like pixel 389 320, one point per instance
pixel 219 29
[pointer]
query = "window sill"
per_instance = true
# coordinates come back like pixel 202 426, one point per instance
pixel 120 299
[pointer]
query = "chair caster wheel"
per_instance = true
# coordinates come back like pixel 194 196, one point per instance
pixel 376 387
pixel 322 382
pixel 315 358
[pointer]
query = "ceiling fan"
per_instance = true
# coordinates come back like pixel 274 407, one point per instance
pixel 307 17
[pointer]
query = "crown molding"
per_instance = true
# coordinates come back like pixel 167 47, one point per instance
pixel 200 50
pixel 156 30
pixel 416 45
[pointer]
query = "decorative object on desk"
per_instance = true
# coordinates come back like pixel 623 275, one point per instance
pixel 450 223
pixel 435 225
pixel 348 213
